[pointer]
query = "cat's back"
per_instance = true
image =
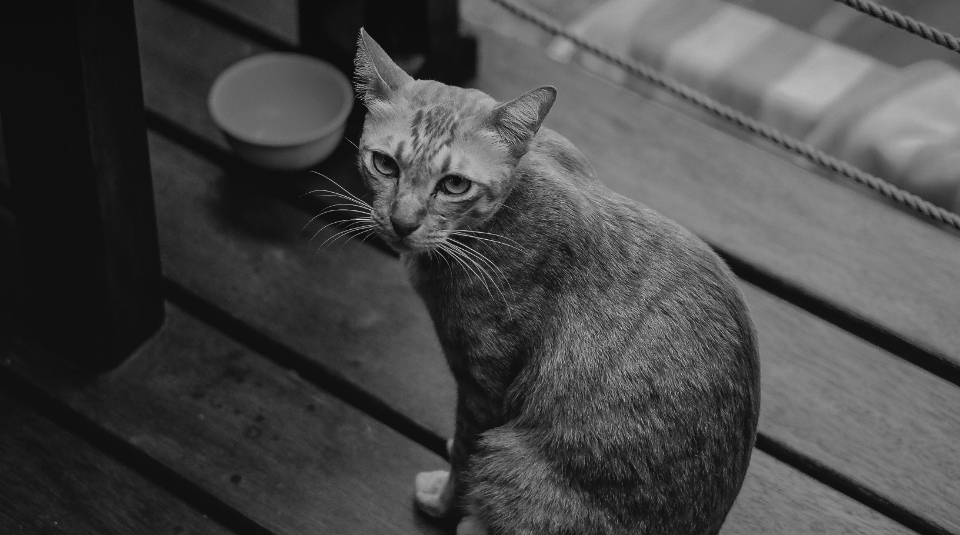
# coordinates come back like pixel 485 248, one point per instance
pixel 645 385
pixel 635 285
pixel 607 240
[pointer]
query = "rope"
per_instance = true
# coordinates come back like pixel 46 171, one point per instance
pixel 731 115
pixel 904 23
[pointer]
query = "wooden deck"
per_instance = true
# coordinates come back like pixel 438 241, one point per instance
pixel 296 391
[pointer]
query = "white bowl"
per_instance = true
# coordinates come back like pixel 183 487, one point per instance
pixel 281 111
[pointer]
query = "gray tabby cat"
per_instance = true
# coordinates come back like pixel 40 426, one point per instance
pixel 606 365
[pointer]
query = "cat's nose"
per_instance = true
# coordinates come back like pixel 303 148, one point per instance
pixel 402 228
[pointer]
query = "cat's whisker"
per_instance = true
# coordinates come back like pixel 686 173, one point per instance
pixel 486 261
pixel 346 194
pixel 359 231
pixel 343 207
pixel 437 253
pixel 469 255
pixel 440 255
pixel 365 218
pixel 337 184
pixel 354 221
pixel 467 263
pixel 344 232
pixel 346 209
pixel 481 258
pixel 369 233
pixel 356 232
pixel 329 193
pixel 469 234
pixel 351 142
pixel 488 234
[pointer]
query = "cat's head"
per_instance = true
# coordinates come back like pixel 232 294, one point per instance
pixel 438 159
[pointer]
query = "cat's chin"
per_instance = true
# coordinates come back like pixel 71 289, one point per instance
pixel 406 248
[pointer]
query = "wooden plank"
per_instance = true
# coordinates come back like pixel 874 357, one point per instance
pixel 279 17
pixel 298 461
pixel 84 184
pixel 882 265
pixel 878 263
pixel 265 442
pixel 832 241
pixel 51 482
pixel 888 425
pixel 777 499
pixel 843 414
pixel 351 309
pixel 165 35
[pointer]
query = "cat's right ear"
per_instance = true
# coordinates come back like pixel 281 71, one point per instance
pixel 518 120
pixel 377 77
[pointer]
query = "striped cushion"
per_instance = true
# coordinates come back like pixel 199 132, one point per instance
pixel 900 124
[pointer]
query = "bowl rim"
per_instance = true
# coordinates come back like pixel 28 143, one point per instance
pixel 255 61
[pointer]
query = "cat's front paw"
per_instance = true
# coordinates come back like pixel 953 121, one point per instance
pixel 435 493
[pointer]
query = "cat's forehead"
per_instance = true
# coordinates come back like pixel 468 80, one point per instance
pixel 432 119
pixel 430 94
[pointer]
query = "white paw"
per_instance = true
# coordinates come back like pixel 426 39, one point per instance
pixel 434 496
pixel 470 525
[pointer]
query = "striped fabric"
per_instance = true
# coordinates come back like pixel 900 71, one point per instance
pixel 900 124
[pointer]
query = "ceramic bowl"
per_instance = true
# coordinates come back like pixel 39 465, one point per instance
pixel 281 111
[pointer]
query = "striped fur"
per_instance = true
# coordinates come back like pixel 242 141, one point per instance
pixel 606 365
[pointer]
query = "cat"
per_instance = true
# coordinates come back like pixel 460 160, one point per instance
pixel 606 364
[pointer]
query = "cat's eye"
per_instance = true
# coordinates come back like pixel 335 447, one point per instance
pixel 385 165
pixel 454 185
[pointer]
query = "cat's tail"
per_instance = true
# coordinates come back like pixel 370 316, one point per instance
pixel 514 491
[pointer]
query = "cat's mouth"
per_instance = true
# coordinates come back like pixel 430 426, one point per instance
pixel 404 244
pixel 412 244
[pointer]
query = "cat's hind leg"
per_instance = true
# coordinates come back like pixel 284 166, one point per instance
pixel 516 491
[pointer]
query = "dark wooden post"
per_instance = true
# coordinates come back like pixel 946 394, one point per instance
pixel 423 36
pixel 71 102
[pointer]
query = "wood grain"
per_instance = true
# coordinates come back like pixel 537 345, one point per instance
pixel 880 264
pixel 777 499
pixel 296 460
pixel 262 440
pixel 350 309
pixel 868 258
pixel 826 393
pixel 53 483
pixel 835 242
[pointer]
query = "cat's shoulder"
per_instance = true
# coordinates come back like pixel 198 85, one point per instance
pixel 551 152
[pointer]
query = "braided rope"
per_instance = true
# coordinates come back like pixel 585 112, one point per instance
pixel 904 23
pixel 731 115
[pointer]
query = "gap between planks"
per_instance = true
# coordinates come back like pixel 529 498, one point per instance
pixel 754 264
pixel 258 439
pixel 197 120
pixel 406 368
pixel 206 145
pixel 56 483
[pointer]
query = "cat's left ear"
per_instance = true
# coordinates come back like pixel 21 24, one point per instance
pixel 518 120
pixel 377 76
